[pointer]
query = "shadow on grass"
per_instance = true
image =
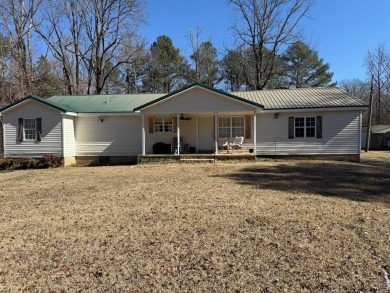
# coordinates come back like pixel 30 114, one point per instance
pixel 366 181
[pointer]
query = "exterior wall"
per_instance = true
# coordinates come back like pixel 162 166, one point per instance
pixel 51 131
pixel 198 100
pixel 188 132
pixel 340 134
pixel 69 136
pixel 115 136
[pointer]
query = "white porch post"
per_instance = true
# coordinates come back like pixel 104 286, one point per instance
pixel 143 134
pixel 216 132
pixel 178 133
pixel 254 133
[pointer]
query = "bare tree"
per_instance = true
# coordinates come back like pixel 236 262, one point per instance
pixel 90 39
pixel 61 31
pixel 378 66
pixel 265 27
pixel 16 22
pixel 356 87
pixel 134 70
pixel 194 39
pixel 108 24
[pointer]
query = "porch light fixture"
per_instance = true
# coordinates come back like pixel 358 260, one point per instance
pixel 101 119
pixel 276 115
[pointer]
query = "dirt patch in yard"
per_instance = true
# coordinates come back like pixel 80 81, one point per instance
pixel 253 227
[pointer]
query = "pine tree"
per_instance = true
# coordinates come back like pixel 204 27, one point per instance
pixel 303 68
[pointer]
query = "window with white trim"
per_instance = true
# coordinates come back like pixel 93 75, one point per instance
pixel 305 126
pixel 30 129
pixel 231 126
pixel 163 124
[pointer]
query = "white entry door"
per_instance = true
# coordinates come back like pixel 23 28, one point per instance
pixel 205 134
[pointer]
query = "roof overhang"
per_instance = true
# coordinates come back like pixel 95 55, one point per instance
pixel 105 114
pixel 26 100
pixel 190 87
pixel 327 109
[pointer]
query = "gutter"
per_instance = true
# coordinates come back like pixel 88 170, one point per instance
pixel 327 109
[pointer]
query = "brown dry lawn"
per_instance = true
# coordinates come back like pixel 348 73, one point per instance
pixel 266 226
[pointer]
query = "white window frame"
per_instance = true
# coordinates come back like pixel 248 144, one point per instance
pixel 230 127
pixel 34 129
pixel 166 121
pixel 305 127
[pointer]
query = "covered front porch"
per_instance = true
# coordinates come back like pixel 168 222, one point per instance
pixel 218 133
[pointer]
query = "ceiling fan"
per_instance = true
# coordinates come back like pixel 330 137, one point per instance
pixel 184 118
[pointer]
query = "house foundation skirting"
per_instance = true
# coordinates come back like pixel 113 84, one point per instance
pixel 97 160
pixel 340 157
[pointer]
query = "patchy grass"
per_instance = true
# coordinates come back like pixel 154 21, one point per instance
pixel 303 226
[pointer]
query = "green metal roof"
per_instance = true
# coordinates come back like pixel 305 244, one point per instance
pixel 47 102
pixel 303 98
pixel 378 128
pixel 104 103
pixel 268 99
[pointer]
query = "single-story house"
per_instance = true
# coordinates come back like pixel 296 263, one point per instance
pixel 380 137
pixel 310 121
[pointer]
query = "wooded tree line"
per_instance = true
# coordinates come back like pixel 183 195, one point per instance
pixel 377 64
pixel 71 47
pixel 50 47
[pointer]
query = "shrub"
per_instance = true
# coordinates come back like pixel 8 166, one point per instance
pixel 50 161
pixel 7 164
pixel 28 163
pixel 47 161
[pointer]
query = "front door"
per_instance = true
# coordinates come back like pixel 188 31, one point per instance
pixel 205 134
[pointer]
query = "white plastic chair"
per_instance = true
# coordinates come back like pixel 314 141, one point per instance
pixel 237 143
pixel 223 143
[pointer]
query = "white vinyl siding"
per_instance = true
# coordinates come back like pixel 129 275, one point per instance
pixel 339 134
pixel 115 136
pixel 188 132
pixel 51 130
pixel 198 100
pixel 69 136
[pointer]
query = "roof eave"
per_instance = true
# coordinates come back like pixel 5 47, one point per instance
pixel 333 108
pixel 39 100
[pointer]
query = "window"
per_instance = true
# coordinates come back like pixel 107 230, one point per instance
pixel 231 126
pixel 163 125
pixel 305 126
pixel 30 131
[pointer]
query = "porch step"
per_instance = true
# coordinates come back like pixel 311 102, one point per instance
pixel 197 160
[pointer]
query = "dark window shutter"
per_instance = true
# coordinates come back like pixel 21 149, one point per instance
pixel 151 125
pixel 248 126
pixel 20 129
pixel 319 127
pixel 39 129
pixel 290 127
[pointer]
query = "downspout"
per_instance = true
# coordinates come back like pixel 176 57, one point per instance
pixel 254 133
pixel 143 134
pixel 178 133
pixel 62 136
pixel 360 134
pixel 216 133
pixel 3 125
